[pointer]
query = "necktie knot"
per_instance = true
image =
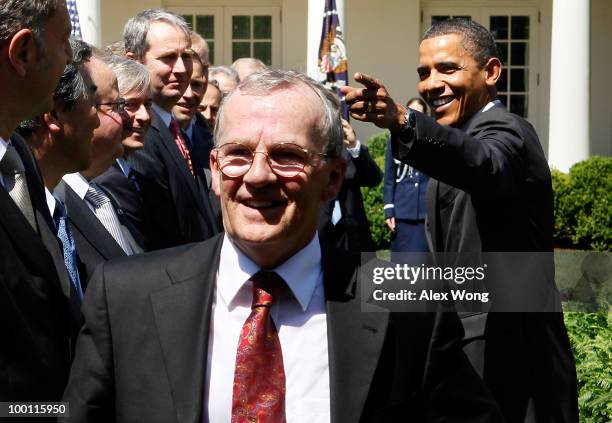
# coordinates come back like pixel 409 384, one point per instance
pixel 96 197
pixel 11 162
pixel 267 287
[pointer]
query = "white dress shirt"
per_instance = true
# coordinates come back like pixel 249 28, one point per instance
pixel 3 147
pixel 300 319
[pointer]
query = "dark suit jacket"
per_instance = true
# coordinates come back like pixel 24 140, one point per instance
pixel 125 197
pixel 35 310
pixel 493 193
pixel 177 210
pixel 142 353
pixel 93 242
pixel 352 231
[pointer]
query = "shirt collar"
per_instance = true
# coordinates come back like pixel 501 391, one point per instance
pixel 78 183
pixel 165 116
pixel 124 166
pixel 486 108
pixel 301 272
pixel 189 130
pixel 50 201
pixel 3 147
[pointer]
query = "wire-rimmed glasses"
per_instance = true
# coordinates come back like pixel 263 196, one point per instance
pixel 285 159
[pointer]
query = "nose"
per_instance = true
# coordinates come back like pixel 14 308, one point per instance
pixel 142 115
pixel 260 172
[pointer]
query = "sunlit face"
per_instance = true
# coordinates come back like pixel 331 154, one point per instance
pixel 168 58
pixel 106 141
pixel 187 106
pixel 138 110
pixel 51 60
pixel 210 105
pixel 268 217
pixel 226 84
pixel 451 81
pixel 73 142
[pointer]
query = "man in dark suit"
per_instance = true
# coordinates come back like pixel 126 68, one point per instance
pixel 119 181
pixel 34 305
pixel 175 196
pixel 493 194
pixel 99 229
pixel 263 324
pixel 343 220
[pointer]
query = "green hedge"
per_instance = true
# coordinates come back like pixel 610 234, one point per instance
pixel 583 203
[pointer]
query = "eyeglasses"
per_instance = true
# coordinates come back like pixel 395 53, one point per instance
pixel 285 159
pixel 132 106
pixel 113 106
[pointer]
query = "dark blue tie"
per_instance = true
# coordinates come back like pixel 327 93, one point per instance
pixel 69 249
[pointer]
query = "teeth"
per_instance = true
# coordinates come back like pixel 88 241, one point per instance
pixel 259 204
pixel 441 101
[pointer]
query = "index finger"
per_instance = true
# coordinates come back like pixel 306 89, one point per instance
pixel 368 81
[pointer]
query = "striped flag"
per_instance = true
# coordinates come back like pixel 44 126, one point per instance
pixel 74 18
pixel 333 65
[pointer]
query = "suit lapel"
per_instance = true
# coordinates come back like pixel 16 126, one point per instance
pixel 355 334
pixel 88 224
pixel 183 330
pixel 171 149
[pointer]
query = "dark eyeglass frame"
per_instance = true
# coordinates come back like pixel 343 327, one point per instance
pixel 129 103
pixel 287 175
pixel 118 106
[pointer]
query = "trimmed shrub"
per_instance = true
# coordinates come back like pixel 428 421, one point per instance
pixel 583 205
pixel 373 197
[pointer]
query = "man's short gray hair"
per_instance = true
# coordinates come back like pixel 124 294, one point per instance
pixel 131 75
pixel 32 14
pixel 270 80
pixel 226 70
pixel 136 29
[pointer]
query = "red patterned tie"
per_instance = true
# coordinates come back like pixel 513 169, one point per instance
pixel 259 376
pixel 180 143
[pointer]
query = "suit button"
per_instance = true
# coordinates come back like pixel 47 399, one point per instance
pixel 119 211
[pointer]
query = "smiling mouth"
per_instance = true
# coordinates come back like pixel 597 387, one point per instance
pixel 441 101
pixel 262 205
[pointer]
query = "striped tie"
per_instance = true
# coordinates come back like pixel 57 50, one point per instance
pixel 103 209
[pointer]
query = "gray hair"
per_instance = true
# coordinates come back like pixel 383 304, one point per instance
pixel 131 75
pixel 226 70
pixel 270 80
pixel 136 29
pixel 71 87
pixel 32 14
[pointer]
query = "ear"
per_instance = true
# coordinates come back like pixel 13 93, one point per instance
pixel 131 55
pixel 215 174
pixel 52 122
pixel 492 71
pixel 336 178
pixel 22 51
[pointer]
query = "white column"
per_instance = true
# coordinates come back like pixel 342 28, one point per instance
pixel 90 20
pixel 568 139
pixel 315 24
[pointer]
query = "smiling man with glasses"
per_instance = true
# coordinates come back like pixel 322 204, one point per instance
pixel 263 323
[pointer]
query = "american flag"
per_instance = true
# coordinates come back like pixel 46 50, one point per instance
pixel 74 18
pixel 333 64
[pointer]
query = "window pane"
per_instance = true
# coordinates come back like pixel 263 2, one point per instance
pixel 518 105
pixel 466 17
pixel 241 27
pixel 502 82
pixel 519 54
pixel 499 27
pixel 205 26
pixel 518 80
pixel 263 52
pixel 188 19
pixel 241 50
pixel 262 27
pixel 503 52
pixel 520 27
pixel 211 53
pixel 438 18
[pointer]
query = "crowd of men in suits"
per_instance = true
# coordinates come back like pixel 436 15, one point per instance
pixel 239 310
